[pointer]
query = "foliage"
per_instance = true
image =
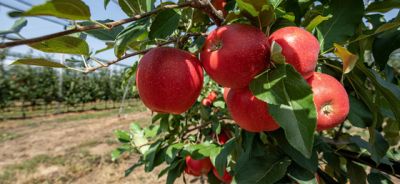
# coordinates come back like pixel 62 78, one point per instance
pixel 296 153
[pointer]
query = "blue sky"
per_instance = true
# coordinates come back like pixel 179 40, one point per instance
pixel 38 27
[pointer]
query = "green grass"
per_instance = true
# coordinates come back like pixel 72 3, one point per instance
pixel 7 136
pixel 137 106
pixel 15 112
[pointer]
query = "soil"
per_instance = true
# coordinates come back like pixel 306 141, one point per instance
pixel 74 152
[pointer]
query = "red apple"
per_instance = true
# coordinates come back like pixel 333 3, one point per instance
pixel 299 47
pixel 212 96
pixel 330 99
pixel 226 178
pixel 223 138
pixel 169 80
pixel 206 102
pixel 232 55
pixel 197 167
pixel 226 91
pixel 249 112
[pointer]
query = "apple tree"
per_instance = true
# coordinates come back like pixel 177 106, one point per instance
pixel 261 91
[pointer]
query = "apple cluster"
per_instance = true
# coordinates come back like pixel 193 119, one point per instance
pixel 169 80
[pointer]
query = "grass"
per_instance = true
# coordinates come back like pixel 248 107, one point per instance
pixel 77 162
pixel 7 136
pixel 134 107
pixel 39 110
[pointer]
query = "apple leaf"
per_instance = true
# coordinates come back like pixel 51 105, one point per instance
pixel 63 44
pixel 71 9
pixel 349 59
pixel 383 6
pixel 165 23
pixel 38 62
pixel 222 158
pixel 346 17
pixel 103 34
pixel 316 21
pixel 129 34
pixel 262 170
pixel 276 53
pixel 290 102
pixel 261 11
pixel 132 7
pixel 356 173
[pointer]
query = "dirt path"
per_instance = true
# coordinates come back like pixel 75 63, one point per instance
pixel 46 150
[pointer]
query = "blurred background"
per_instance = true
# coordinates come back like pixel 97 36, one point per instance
pixel 57 125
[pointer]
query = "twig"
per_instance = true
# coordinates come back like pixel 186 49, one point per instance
pixel 195 128
pixel 103 65
pixel 209 9
pixel 110 25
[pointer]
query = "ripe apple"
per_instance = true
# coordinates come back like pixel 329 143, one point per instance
pixel 223 137
pixel 206 102
pixel 226 178
pixel 212 96
pixel 232 55
pixel 226 91
pixel 299 47
pixel 220 5
pixel 197 167
pixel 330 99
pixel 249 112
pixel 169 80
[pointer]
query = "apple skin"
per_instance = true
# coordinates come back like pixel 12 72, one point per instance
pixel 331 100
pixel 206 102
pixel 197 167
pixel 232 55
pixel 249 112
pixel 299 47
pixel 169 80
pixel 212 96
pixel 226 178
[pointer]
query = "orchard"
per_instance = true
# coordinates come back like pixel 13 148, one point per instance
pixel 249 91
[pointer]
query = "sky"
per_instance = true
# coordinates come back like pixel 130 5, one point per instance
pixel 37 27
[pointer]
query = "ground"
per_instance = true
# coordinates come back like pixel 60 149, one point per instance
pixel 70 148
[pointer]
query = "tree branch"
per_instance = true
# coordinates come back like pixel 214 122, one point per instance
pixel 104 65
pixel 110 25
pixel 209 9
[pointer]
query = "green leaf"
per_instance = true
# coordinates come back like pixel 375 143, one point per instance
pixel 133 7
pixel 122 136
pixel 276 53
pixel 149 156
pixel 38 62
pixel 222 158
pixel 106 2
pixel 301 175
pixel 290 102
pixel 356 173
pixel 262 170
pixel 378 147
pixel 165 23
pixel 383 6
pixel 384 44
pixel 346 16
pixel 129 34
pixel 63 44
pixel 172 152
pixel 260 12
pixel 316 21
pixel 311 164
pixel 378 178
pixel 390 91
pixel 19 24
pixel 133 167
pixel 68 9
pixel 103 34
pixel 199 151
pixel 175 171
pixel 359 114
